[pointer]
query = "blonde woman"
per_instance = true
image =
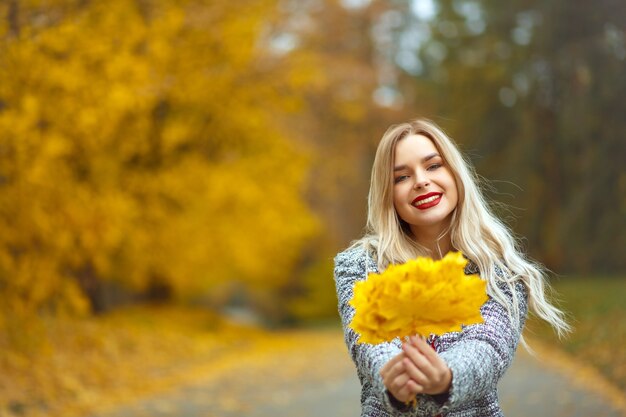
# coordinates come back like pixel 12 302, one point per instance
pixel 424 201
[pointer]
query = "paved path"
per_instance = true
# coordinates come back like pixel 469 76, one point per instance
pixel 324 383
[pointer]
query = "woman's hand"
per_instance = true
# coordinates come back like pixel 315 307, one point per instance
pixel 417 370
pixel 397 380
pixel 424 366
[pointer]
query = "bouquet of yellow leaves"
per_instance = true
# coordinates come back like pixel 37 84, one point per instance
pixel 421 296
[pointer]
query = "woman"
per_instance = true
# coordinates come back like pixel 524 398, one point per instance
pixel 424 201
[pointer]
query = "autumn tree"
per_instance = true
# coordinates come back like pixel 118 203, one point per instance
pixel 138 149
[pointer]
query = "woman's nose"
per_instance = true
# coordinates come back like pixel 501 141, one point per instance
pixel 421 181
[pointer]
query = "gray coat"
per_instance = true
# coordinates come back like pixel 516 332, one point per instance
pixel 477 356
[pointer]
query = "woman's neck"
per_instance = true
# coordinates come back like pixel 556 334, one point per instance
pixel 435 241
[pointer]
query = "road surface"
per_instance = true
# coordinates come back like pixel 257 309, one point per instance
pixel 301 383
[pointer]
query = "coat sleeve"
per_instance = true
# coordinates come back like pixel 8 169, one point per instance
pixel 350 266
pixel 483 352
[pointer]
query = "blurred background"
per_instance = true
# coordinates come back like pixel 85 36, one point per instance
pixel 172 172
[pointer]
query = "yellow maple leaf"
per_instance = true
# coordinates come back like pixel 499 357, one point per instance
pixel 421 296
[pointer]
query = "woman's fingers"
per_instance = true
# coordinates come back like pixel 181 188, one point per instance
pixel 424 348
pixel 416 375
pixel 394 370
pixel 404 388
pixel 408 391
pixel 430 370
pixel 414 387
pixel 398 381
pixel 421 361
pixel 417 369
pixel 392 362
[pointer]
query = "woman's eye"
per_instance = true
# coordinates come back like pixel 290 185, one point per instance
pixel 400 178
pixel 434 167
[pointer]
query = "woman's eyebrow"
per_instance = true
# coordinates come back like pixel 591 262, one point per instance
pixel 429 157
pixel 424 159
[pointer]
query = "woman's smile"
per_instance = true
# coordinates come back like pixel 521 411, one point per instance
pixel 426 201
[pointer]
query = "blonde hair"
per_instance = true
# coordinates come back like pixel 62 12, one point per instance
pixel 474 229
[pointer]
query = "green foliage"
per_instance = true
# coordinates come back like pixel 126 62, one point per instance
pixel 317 299
pixel 533 91
pixel 596 308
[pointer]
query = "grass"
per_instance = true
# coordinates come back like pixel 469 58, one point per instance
pixel 597 311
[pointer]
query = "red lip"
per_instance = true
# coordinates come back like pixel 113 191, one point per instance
pixel 426 206
pixel 423 196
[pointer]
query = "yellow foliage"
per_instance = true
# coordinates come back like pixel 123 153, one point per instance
pixel 140 145
pixel 421 296
pixel 92 366
pixel 71 374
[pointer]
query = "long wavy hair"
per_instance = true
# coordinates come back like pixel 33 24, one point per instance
pixel 474 229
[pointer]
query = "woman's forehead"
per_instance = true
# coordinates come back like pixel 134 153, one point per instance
pixel 416 145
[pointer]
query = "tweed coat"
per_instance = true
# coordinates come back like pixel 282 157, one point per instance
pixel 477 356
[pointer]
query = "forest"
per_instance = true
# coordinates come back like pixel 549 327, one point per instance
pixel 169 165
pixel 213 153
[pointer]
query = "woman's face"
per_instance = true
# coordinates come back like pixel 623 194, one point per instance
pixel 424 192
